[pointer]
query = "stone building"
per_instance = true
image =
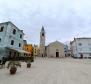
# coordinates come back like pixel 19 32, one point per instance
pixel 42 43
pixel 35 50
pixel 55 49
pixel 28 48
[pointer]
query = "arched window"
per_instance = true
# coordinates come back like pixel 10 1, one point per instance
pixel 0 39
pixel 19 44
pixel 1 29
pixel 42 34
pixel 12 42
pixel 14 31
pixel 80 44
pixel 14 54
pixel 57 50
pixel 20 35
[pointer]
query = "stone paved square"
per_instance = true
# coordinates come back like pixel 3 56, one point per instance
pixel 50 71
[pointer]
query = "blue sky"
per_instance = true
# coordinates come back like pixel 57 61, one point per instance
pixel 62 19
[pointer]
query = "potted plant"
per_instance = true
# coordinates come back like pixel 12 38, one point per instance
pixel 13 66
pixel 32 58
pixel 28 64
pixel 28 61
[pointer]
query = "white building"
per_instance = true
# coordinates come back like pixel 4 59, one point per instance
pixel 81 47
pixel 10 35
pixel 11 38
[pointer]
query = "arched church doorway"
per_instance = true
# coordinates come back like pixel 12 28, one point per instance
pixel 42 55
pixel 81 55
pixel 57 54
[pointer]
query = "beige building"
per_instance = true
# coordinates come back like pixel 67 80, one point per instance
pixel 35 50
pixel 55 49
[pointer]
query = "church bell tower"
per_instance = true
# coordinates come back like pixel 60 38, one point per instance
pixel 42 42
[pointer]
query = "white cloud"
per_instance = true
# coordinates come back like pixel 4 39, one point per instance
pixel 67 18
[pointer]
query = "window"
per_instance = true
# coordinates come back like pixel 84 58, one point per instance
pixel 80 44
pixel 20 35
pixel 65 48
pixel 90 54
pixel 1 29
pixel 35 51
pixel 18 54
pixel 0 39
pixel 14 31
pixel 12 42
pixel 42 34
pixel 90 49
pixel 57 50
pixel 14 54
pixel 80 49
pixel 19 44
pixel 89 44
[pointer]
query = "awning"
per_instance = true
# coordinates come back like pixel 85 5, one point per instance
pixel 23 51
pixel 20 51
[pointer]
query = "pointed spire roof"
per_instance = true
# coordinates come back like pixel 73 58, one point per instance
pixel 42 29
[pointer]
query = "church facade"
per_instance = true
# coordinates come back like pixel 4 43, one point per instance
pixel 54 49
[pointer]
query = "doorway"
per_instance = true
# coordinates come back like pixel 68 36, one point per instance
pixel 42 55
pixel 81 55
pixel 57 54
